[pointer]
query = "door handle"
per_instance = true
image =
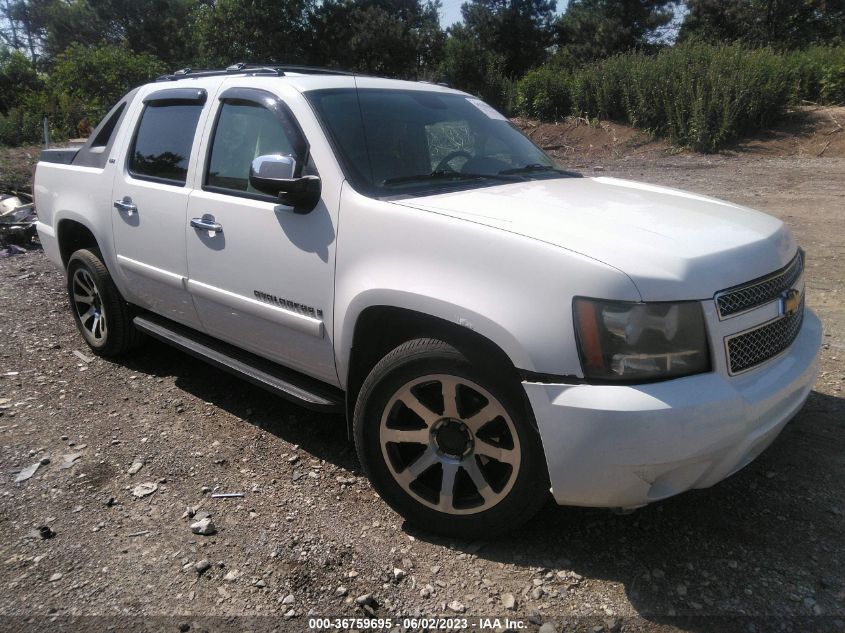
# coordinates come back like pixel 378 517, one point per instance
pixel 126 205
pixel 207 223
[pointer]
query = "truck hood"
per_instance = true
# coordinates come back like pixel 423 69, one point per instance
pixel 674 245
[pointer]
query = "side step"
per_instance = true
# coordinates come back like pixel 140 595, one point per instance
pixel 303 390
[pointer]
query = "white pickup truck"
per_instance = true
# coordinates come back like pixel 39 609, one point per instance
pixel 492 327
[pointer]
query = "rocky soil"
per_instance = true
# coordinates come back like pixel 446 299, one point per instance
pixel 121 524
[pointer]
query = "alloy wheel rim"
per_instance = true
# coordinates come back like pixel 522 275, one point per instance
pixel 450 444
pixel 89 307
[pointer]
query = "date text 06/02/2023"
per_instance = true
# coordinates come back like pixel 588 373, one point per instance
pixel 428 624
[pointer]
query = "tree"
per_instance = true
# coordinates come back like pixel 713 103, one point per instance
pixel 263 31
pixel 469 66
pixel 45 28
pixel 519 31
pixel 784 24
pixel 157 27
pixel 86 81
pixel 595 29
pixel 24 26
pixel 396 38
pixel 17 79
pixel 73 22
pixel 100 75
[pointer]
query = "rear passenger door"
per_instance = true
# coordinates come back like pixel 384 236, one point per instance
pixel 265 280
pixel 150 200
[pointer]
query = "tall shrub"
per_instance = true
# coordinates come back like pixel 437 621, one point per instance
pixel 817 75
pixel 544 93
pixel 697 95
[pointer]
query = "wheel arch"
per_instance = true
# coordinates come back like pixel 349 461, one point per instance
pixel 72 235
pixel 380 328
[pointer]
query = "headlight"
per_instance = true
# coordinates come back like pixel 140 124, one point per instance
pixel 640 341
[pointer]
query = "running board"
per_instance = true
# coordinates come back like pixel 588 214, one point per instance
pixel 291 385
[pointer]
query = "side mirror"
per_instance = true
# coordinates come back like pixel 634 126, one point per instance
pixel 273 174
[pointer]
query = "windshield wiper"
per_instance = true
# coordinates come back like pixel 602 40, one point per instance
pixel 449 175
pixel 536 167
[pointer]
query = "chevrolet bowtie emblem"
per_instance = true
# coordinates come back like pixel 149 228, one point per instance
pixel 790 301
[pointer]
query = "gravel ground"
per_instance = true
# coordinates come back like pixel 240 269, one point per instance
pixel 135 447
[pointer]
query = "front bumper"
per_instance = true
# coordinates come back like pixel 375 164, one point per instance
pixel 627 445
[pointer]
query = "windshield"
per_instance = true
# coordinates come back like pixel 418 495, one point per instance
pixel 395 142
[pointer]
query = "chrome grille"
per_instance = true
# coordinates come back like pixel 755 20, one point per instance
pixel 755 293
pixel 749 349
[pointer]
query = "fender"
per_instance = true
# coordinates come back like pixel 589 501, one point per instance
pixel 398 298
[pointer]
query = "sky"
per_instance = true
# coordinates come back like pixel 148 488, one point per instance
pixel 451 11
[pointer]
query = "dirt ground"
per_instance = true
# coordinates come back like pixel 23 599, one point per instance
pixel 762 551
pixel 804 132
pixel 16 166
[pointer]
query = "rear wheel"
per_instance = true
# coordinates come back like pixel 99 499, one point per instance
pixel 447 444
pixel 102 316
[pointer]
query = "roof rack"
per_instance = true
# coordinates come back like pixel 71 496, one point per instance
pixel 251 69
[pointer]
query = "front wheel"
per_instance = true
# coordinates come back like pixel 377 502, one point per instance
pixel 102 316
pixel 447 444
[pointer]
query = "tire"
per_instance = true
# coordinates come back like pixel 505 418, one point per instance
pixel 102 316
pixel 445 467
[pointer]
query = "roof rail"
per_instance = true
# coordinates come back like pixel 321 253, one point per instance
pixel 312 70
pixel 251 69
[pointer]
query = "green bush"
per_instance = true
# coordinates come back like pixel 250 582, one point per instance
pixel 86 81
pixel 833 84
pixel 81 86
pixel 544 93
pixel 17 79
pixel 817 75
pixel 19 86
pixel 696 95
pixel 20 126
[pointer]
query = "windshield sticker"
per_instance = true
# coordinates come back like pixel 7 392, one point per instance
pixel 486 109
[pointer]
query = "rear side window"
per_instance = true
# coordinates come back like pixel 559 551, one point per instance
pixel 103 135
pixel 163 141
pixel 97 150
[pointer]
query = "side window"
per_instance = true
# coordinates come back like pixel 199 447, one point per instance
pixel 163 141
pixel 103 135
pixel 245 130
pixel 97 148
